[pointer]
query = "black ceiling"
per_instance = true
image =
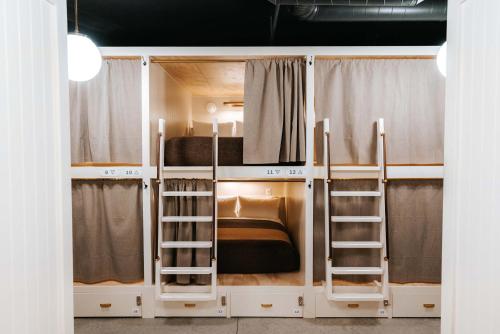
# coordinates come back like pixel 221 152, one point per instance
pixel 232 23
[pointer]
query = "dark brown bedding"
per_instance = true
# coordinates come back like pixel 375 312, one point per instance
pixel 197 151
pixel 251 246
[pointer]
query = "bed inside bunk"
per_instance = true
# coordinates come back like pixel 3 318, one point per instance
pixel 260 236
pixel 189 92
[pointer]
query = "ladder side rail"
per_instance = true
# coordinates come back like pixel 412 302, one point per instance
pixel 160 180
pixel 382 183
pixel 327 203
pixel 215 163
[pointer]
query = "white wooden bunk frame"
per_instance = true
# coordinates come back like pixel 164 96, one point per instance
pixel 309 300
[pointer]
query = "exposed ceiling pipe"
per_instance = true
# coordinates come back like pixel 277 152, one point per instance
pixel 364 3
pixel 366 10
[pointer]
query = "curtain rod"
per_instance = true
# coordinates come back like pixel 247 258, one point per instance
pixel 222 59
pixel 388 57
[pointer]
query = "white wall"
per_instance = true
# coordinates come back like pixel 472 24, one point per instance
pixel 296 215
pixel 471 230
pixel 224 113
pixel 170 101
pixel 35 229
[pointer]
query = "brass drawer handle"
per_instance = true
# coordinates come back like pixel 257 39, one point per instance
pixel 266 305
pixel 352 305
pixel 429 305
pixel 190 305
pixel 107 305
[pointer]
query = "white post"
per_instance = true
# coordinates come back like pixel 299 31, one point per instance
pixel 309 310
pixel 36 250
pixel 471 208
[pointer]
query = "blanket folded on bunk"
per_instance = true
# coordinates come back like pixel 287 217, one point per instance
pixel 197 151
pixel 253 246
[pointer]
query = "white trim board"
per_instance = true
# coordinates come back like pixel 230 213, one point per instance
pixel 273 51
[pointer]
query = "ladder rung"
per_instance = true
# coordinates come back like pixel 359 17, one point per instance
pixel 183 219
pixel 186 244
pixel 356 271
pixel 190 296
pixel 357 297
pixel 187 193
pixel 356 244
pixel 186 270
pixel 356 219
pixel 356 193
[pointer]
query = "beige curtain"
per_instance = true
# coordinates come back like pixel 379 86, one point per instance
pixel 274 126
pixel 107 231
pixel 187 231
pixel 415 230
pixel 407 93
pixel 106 114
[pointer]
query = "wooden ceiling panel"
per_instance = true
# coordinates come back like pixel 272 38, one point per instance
pixel 209 78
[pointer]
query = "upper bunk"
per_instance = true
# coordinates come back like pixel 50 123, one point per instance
pixel 260 132
pixel 177 84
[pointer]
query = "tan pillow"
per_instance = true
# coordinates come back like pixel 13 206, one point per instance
pixel 239 129
pixel 226 207
pixel 202 129
pixel 259 207
pixel 225 129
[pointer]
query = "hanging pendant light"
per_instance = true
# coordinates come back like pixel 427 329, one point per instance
pixel 441 59
pixel 84 58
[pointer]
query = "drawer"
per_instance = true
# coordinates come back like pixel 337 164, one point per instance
pixel 215 308
pixel 330 309
pixel 245 304
pixel 107 305
pixel 417 302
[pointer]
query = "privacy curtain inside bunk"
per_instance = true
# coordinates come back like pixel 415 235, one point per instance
pixel 409 95
pixel 106 114
pixel 107 231
pixel 105 120
pixel 274 114
pixel 187 231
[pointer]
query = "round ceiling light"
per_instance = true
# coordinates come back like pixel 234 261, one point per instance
pixel 211 107
pixel 84 58
pixel 441 59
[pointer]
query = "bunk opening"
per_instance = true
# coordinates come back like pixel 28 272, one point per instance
pixel 189 92
pixel 260 237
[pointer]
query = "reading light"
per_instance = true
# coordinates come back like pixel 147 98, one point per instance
pixel 84 58
pixel 441 59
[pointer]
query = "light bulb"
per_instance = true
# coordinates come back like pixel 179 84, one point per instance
pixel 211 108
pixel 441 59
pixel 84 58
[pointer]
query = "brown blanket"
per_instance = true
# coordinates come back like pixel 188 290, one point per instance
pixel 251 246
pixel 197 151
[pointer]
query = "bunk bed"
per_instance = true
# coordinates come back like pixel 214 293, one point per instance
pixel 284 294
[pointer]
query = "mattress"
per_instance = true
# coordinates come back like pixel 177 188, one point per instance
pixel 254 246
pixel 197 151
